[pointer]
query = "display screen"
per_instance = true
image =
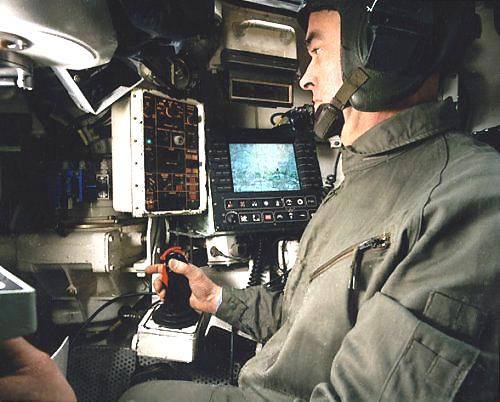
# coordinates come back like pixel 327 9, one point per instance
pixel 263 167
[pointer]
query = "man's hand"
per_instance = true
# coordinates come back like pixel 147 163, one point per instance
pixel 205 293
pixel 28 374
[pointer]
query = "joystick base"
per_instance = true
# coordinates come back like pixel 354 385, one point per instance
pixel 177 320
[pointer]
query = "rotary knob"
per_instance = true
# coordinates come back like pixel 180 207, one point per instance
pixel 232 217
pixel 179 140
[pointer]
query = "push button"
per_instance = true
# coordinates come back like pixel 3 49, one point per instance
pixel 280 216
pixel 311 201
pixel 256 217
pixel 245 218
pixel 268 217
pixel 301 215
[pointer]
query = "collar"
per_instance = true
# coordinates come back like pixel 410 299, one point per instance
pixel 407 127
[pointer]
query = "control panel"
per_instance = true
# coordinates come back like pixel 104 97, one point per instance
pixel 171 154
pixel 158 155
pixel 262 181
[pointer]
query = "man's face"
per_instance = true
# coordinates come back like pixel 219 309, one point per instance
pixel 324 74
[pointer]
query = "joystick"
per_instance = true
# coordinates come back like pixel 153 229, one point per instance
pixel 175 312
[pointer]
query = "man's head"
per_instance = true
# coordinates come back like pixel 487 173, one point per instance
pixel 323 76
pixel 398 44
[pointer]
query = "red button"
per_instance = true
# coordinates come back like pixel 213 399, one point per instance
pixel 268 217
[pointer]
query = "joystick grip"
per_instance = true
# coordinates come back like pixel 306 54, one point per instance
pixel 175 312
pixel 178 290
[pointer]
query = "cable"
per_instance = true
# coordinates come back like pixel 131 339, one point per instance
pixel 257 273
pixel 283 256
pixel 108 303
pixel 132 313
pixel 332 178
pixel 300 119
pixel 215 252
pixel 273 118
pixel 232 378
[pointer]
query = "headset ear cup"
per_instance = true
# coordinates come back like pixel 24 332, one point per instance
pixel 396 36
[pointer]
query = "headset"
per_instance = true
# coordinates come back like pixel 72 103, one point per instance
pixel 389 49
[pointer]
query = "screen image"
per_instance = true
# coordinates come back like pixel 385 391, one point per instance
pixel 263 167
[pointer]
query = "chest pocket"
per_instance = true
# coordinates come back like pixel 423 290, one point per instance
pixel 363 258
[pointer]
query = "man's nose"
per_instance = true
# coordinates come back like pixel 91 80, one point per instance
pixel 306 82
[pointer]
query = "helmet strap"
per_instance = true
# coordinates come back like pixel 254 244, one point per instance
pixel 329 119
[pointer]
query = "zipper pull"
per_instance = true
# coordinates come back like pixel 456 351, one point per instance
pixel 354 269
pixel 381 242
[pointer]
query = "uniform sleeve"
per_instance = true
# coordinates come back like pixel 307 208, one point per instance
pixel 431 332
pixel 256 310
pixel 390 355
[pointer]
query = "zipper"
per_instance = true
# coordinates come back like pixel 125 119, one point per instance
pixel 381 242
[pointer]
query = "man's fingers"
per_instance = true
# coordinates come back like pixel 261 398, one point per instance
pixel 154 269
pixel 175 265
pixel 189 271
pixel 180 267
pixel 163 294
pixel 160 288
pixel 158 285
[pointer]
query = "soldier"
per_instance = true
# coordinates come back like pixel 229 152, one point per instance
pixel 394 292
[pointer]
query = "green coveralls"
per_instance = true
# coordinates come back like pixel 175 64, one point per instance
pixel 394 293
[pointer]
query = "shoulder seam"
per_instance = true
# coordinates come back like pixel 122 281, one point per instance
pixel 446 157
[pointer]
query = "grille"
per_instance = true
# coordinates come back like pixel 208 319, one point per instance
pixel 104 373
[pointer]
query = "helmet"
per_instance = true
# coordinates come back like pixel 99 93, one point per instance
pixel 398 44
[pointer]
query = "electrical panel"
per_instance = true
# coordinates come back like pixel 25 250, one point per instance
pixel 158 155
